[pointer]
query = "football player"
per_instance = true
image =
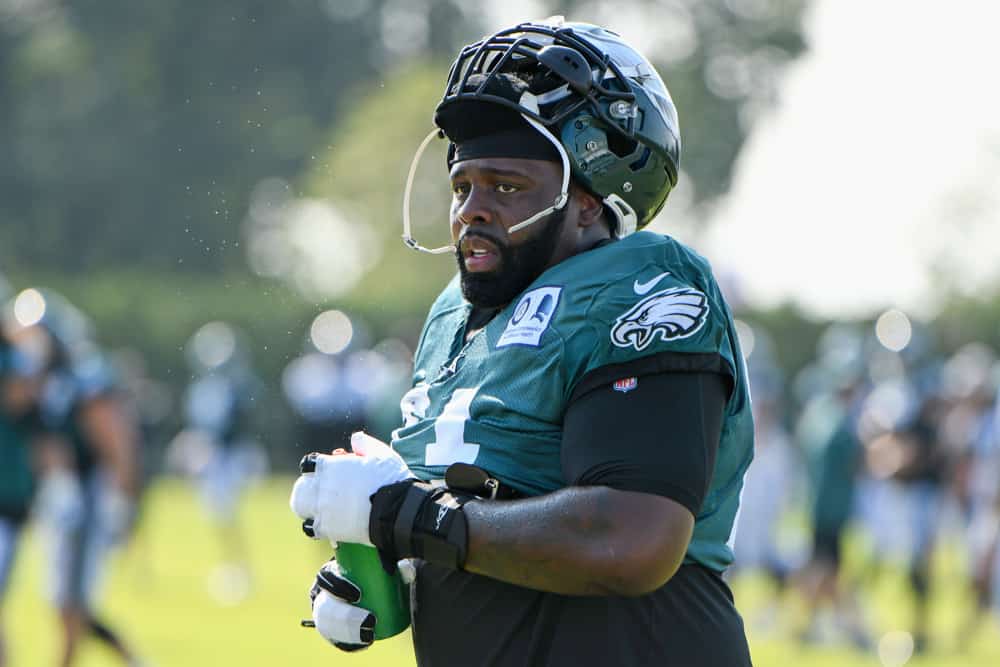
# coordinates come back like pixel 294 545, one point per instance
pixel 18 393
pixel 827 433
pixel 217 446
pixel 88 452
pixel 578 387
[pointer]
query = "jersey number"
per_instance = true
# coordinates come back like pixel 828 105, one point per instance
pixel 449 432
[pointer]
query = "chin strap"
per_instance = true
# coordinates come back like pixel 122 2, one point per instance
pixel 564 191
pixel 407 235
pixel 625 215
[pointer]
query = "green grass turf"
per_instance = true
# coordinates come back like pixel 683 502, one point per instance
pixel 156 595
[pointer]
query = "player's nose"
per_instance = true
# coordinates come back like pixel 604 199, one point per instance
pixel 476 208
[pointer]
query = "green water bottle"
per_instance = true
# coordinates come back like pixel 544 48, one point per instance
pixel 385 595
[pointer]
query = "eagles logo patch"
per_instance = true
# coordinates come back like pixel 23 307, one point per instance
pixel 672 313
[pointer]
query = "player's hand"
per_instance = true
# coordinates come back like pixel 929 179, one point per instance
pixel 332 494
pixel 334 613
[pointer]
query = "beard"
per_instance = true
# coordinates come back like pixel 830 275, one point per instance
pixel 518 266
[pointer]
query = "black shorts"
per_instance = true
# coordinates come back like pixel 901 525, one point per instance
pixel 827 544
pixel 466 619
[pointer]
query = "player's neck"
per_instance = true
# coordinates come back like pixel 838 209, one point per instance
pixel 478 318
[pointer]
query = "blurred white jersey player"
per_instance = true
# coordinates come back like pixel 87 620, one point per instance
pixel 89 451
pixel 218 448
pixel 774 475
pixel 977 416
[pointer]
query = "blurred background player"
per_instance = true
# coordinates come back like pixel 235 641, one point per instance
pixel 89 460
pixel 771 482
pixel 826 431
pixel 908 469
pixel 18 396
pixel 912 457
pixel 217 447
pixel 971 429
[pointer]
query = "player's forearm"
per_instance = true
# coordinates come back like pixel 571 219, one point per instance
pixel 124 463
pixel 579 541
pixel 116 442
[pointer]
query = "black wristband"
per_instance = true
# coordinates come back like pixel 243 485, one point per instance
pixel 419 520
pixel 386 503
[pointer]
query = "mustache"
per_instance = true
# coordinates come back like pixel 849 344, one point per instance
pixel 500 243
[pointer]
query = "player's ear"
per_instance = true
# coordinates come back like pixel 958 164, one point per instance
pixel 590 207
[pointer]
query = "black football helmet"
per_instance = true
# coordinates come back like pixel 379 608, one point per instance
pixel 600 102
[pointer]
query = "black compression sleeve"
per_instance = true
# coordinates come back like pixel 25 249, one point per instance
pixel 660 437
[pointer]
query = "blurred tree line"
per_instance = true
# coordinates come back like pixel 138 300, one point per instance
pixel 157 155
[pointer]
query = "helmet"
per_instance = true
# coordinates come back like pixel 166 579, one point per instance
pixel 599 101
pixel 44 321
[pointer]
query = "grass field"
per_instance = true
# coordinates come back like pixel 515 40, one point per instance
pixel 157 595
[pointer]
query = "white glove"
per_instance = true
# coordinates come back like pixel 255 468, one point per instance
pixel 334 613
pixel 335 496
pixel 344 625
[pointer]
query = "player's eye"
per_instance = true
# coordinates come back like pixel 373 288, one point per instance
pixel 507 188
pixel 460 189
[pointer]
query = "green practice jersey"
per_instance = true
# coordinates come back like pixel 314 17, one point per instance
pixel 498 399
pixel 17 481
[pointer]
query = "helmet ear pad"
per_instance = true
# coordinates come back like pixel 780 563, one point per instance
pixel 626 173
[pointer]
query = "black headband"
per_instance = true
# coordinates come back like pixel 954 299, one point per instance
pixel 518 142
pixel 480 128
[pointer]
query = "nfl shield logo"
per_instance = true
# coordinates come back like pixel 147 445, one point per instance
pixel 625 385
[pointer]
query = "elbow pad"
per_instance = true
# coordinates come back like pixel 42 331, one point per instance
pixel 414 519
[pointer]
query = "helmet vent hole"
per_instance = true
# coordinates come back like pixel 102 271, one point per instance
pixel 641 162
pixel 621 145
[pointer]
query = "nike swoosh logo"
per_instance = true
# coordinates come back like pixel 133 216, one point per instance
pixel 643 288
